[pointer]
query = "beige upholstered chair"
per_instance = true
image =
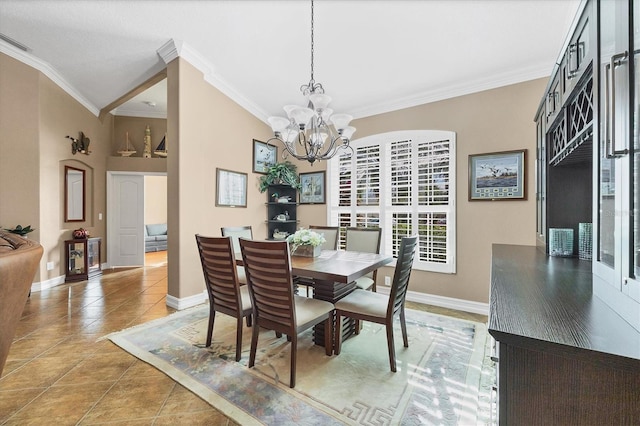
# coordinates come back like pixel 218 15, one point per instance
pixel 331 235
pixel 363 305
pixel 366 240
pixel 275 306
pixel 221 278
pixel 236 232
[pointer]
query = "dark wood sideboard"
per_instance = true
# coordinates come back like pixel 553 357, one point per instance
pixel 564 356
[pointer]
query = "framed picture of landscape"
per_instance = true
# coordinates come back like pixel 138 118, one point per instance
pixel 498 176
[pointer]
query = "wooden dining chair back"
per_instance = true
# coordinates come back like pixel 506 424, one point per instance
pixel 364 305
pixel 331 235
pixel 275 306
pixel 366 240
pixel 236 232
pixel 221 279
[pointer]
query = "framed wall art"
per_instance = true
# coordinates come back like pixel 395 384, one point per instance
pixel 498 176
pixel 231 188
pixel 312 188
pixel 264 156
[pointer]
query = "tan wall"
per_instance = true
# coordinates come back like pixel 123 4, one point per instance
pixel 155 199
pixel 494 120
pixel 42 115
pixel 19 143
pixel 210 131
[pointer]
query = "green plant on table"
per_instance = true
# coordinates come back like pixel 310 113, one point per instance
pixel 280 173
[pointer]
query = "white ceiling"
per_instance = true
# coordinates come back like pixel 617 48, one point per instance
pixel 371 56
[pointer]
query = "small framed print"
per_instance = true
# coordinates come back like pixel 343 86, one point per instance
pixel 264 156
pixel 498 176
pixel 231 188
pixel 312 188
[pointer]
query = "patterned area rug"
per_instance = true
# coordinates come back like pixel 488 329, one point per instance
pixel 443 378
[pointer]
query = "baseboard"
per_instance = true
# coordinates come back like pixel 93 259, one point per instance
pixel 43 285
pixel 187 302
pixel 443 302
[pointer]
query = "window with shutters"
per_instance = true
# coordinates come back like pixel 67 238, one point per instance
pixel 403 182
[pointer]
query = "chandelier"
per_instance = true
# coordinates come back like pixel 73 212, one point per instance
pixel 312 133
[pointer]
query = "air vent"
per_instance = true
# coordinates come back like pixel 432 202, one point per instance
pixel 14 43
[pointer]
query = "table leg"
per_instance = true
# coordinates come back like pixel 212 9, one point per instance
pixel 332 292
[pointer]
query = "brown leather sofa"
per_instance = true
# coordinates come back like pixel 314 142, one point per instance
pixel 19 259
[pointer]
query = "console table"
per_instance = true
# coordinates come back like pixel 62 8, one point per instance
pixel 564 356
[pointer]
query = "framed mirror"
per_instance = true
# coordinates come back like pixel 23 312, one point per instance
pixel 74 194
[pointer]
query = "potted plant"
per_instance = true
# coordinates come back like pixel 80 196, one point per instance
pixel 280 173
pixel 305 242
pixel 20 230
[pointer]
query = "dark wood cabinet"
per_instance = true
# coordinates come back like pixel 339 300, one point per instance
pixel 282 206
pixel 82 258
pixel 564 357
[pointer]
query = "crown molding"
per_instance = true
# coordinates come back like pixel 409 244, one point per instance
pixel 177 48
pixel 50 72
pixel 452 91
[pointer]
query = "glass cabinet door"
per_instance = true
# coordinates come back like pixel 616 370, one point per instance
pixel 76 259
pixel 616 268
pixel 631 264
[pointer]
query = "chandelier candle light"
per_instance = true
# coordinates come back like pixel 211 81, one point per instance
pixel 312 133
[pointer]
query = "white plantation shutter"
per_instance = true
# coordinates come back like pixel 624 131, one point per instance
pixel 403 182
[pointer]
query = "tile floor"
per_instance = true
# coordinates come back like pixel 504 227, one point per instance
pixel 59 372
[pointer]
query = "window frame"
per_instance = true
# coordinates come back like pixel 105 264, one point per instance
pixel 385 209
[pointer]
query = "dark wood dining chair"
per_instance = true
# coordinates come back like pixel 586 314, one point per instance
pixel 221 278
pixel 363 305
pixel 275 306
pixel 366 240
pixel 236 232
pixel 331 235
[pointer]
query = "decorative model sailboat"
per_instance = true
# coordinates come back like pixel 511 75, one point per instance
pixel 161 149
pixel 128 150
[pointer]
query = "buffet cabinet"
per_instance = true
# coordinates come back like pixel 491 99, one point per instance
pixel 563 356
pixel 588 149
pixel 567 330
pixel 82 258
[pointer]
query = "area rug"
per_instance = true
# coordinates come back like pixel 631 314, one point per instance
pixel 444 377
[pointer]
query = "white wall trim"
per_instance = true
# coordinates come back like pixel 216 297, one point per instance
pixel 51 282
pixel 442 301
pixel 174 48
pixel 452 91
pixel 49 71
pixel 186 302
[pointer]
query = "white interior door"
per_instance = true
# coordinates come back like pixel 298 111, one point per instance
pixel 125 224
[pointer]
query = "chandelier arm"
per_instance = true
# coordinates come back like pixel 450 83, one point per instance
pixel 333 148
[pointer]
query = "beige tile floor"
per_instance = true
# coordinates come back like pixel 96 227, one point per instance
pixel 58 372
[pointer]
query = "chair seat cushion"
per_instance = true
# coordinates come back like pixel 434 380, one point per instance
pixel 364 283
pixel 365 303
pixel 246 299
pixel 308 309
pixel 242 276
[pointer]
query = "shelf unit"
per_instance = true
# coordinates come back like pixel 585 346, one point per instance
pixel 275 208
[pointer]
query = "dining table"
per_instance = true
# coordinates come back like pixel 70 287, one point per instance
pixel 334 273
